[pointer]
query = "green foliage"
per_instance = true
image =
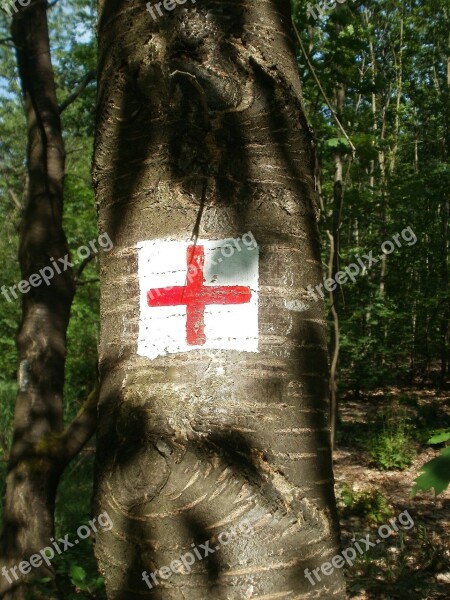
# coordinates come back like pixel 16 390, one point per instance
pixel 76 581
pixel 76 569
pixel 8 391
pixel 340 142
pixel 392 450
pixel 435 474
pixel 390 333
pixel 439 438
pixel 372 54
pixel 81 581
pixel 82 339
pixel 390 443
pixel 367 504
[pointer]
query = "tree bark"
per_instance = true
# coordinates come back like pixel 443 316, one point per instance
pixel 41 448
pixel 201 131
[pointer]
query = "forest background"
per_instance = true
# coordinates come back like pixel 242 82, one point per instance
pixel 376 84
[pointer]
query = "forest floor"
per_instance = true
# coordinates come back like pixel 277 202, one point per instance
pixel 384 427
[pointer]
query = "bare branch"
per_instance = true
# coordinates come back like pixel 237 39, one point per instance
pixel 80 89
pixel 82 428
pixel 7 42
pixel 87 281
pixel 15 199
pixel 84 263
pixel 319 85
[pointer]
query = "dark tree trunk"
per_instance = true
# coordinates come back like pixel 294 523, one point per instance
pixel 201 131
pixel 40 447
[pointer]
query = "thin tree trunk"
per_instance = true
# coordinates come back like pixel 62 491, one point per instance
pixel 334 235
pixel 40 447
pixel 333 268
pixel 201 131
pixel 445 210
pixel 399 93
pixel 445 319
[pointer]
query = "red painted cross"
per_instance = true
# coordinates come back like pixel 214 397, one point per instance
pixel 195 296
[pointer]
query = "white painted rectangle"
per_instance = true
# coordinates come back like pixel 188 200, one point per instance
pixel 220 271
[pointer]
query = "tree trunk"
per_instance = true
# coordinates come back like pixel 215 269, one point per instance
pixel 40 447
pixel 334 262
pixel 201 134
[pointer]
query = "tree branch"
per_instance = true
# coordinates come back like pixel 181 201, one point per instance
pixel 7 42
pixel 84 263
pixel 87 281
pixel 62 448
pixel 15 199
pixel 82 428
pixel 80 89
pixel 311 68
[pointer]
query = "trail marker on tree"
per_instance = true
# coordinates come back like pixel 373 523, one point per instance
pixel 194 296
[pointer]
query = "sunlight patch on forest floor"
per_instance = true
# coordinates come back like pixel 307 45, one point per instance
pixel 413 564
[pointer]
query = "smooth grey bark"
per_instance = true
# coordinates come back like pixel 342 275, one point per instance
pixel 201 130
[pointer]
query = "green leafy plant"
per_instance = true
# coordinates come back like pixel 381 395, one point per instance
pixel 390 444
pixel 83 582
pixel 367 504
pixel 435 474
pixel 440 437
pixel 77 574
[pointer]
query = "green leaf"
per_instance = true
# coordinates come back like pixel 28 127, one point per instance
pixel 77 574
pixel 434 474
pixel 439 438
pixel 335 142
